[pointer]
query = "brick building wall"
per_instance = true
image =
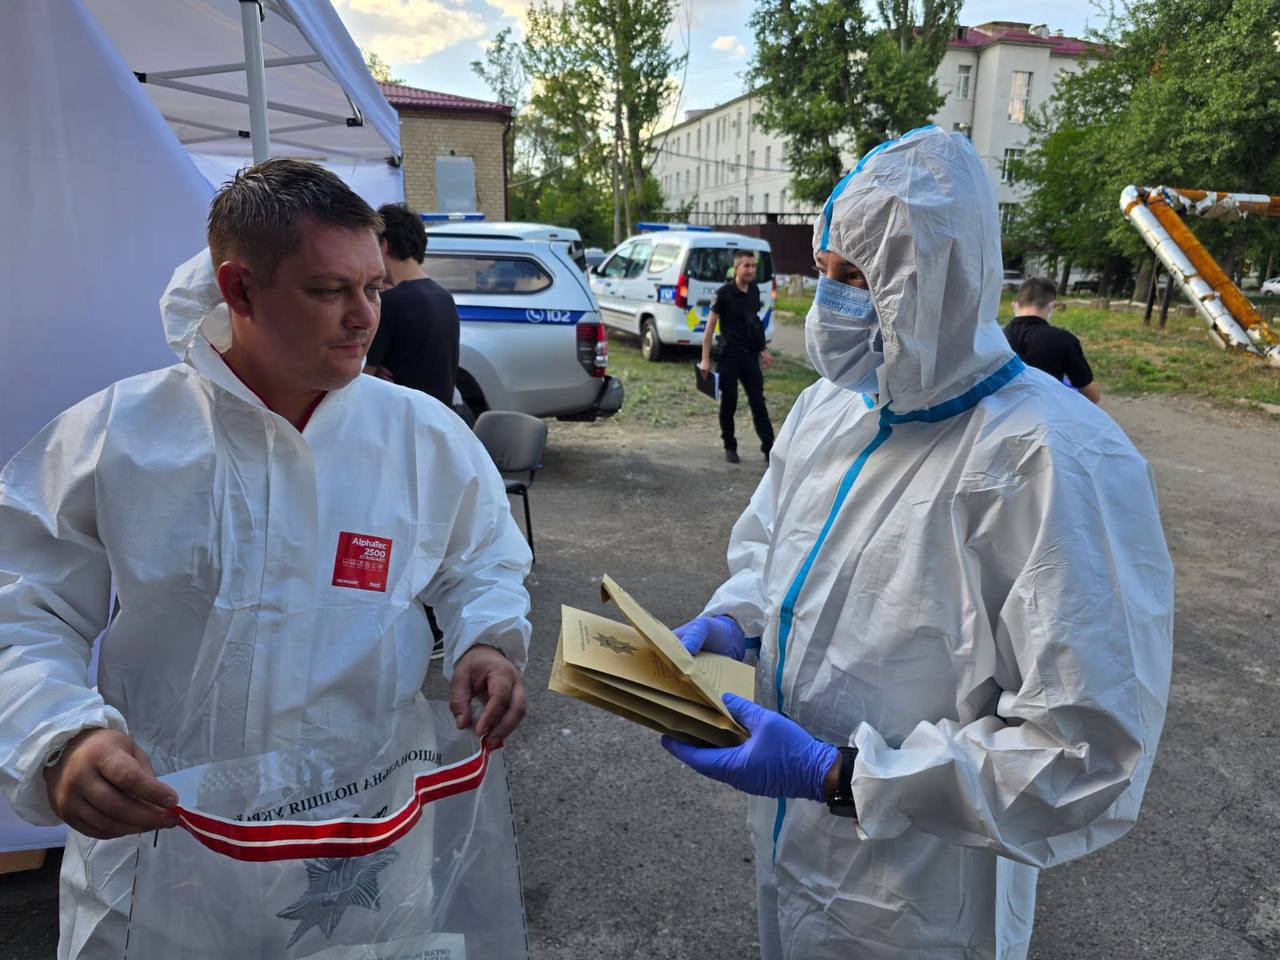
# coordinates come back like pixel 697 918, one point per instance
pixel 425 135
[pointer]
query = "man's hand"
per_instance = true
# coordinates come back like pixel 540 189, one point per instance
pixel 484 672
pixel 720 634
pixel 779 759
pixel 104 787
pixel 766 359
pixel 704 369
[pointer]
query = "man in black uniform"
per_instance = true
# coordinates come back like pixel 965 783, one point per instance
pixel 742 352
pixel 1055 351
pixel 417 340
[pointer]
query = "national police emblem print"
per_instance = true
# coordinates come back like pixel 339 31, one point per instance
pixel 333 885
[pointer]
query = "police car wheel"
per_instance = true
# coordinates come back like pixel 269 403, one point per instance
pixel 650 345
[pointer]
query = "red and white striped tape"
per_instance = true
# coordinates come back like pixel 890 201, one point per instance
pixel 345 837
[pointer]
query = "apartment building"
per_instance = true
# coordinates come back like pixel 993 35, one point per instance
pixel 720 165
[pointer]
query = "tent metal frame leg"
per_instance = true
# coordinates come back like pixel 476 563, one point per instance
pixel 251 14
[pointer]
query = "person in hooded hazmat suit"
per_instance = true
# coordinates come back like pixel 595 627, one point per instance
pixel 223 499
pixel 959 578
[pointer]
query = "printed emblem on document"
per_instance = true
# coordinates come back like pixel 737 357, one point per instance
pixel 614 644
pixel 333 885
pixel 362 562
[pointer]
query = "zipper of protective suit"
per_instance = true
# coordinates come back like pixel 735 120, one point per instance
pixel 787 616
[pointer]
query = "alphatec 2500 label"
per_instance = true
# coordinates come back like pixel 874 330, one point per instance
pixel 362 562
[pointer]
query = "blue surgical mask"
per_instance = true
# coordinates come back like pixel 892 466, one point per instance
pixel 842 336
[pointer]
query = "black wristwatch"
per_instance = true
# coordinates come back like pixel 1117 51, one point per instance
pixel 842 805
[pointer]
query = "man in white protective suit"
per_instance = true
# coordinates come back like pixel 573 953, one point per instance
pixel 272 524
pixel 962 591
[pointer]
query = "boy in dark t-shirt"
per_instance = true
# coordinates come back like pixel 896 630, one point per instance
pixel 418 333
pixel 1055 351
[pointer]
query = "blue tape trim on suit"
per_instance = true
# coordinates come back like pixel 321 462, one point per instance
pixel 961 403
pixel 942 411
pixel 789 601
pixel 520 315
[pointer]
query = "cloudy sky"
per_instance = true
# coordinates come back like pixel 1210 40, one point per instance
pixel 431 43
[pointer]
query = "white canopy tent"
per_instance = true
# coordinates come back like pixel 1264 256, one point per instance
pixel 320 102
pixel 102 197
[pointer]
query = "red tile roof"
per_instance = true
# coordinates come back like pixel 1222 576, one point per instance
pixel 401 96
pixel 975 39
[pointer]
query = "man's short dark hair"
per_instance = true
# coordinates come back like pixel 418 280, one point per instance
pixel 1036 292
pixel 742 254
pixel 257 217
pixel 405 235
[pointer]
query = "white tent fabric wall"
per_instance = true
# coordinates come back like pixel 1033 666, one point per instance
pixel 99 202
pixel 322 103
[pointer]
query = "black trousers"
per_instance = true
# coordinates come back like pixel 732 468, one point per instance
pixel 738 368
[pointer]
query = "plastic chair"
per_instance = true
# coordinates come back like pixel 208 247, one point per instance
pixel 515 442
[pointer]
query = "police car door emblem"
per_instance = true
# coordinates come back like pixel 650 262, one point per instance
pixel 614 644
pixel 333 885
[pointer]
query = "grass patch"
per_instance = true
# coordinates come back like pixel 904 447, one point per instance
pixel 792 310
pixel 662 394
pixel 1127 357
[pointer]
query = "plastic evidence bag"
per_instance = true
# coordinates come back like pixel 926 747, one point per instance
pixel 395 850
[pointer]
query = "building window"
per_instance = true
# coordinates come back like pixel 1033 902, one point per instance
pixel 768 157
pixel 737 165
pixel 751 159
pixel 964 72
pixel 751 201
pixel 697 180
pixel 766 203
pixel 1019 96
pixel 456 184
pixel 1008 213
pixel 782 201
pixel 1011 156
pixel 737 125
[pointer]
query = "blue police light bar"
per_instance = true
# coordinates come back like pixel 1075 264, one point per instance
pixel 455 217
pixel 650 227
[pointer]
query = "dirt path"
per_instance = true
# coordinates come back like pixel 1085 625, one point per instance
pixel 627 855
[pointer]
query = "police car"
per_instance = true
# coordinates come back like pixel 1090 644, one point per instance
pixel 531 336
pixel 660 284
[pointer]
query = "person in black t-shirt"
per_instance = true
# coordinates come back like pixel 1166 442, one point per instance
pixel 1055 351
pixel 417 340
pixel 742 352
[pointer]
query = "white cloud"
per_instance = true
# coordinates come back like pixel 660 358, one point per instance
pixel 725 42
pixel 512 9
pixel 409 31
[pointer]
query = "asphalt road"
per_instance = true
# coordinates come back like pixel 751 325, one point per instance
pixel 626 854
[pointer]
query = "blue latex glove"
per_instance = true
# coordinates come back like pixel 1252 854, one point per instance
pixel 780 759
pixel 715 635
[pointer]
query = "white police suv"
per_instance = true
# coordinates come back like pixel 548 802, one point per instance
pixel 531 338
pixel 660 284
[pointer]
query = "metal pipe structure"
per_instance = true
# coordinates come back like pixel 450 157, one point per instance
pixel 1232 320
pixel 256 77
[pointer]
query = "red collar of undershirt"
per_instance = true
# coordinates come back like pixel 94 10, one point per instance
pixel 306 416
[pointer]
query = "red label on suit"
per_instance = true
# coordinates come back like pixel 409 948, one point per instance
pixel 362 562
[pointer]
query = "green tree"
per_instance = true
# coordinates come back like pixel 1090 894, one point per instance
pixel 1187 93
pixel 503 73
pixel 379 68
pixel 834 83
pixel 601 73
